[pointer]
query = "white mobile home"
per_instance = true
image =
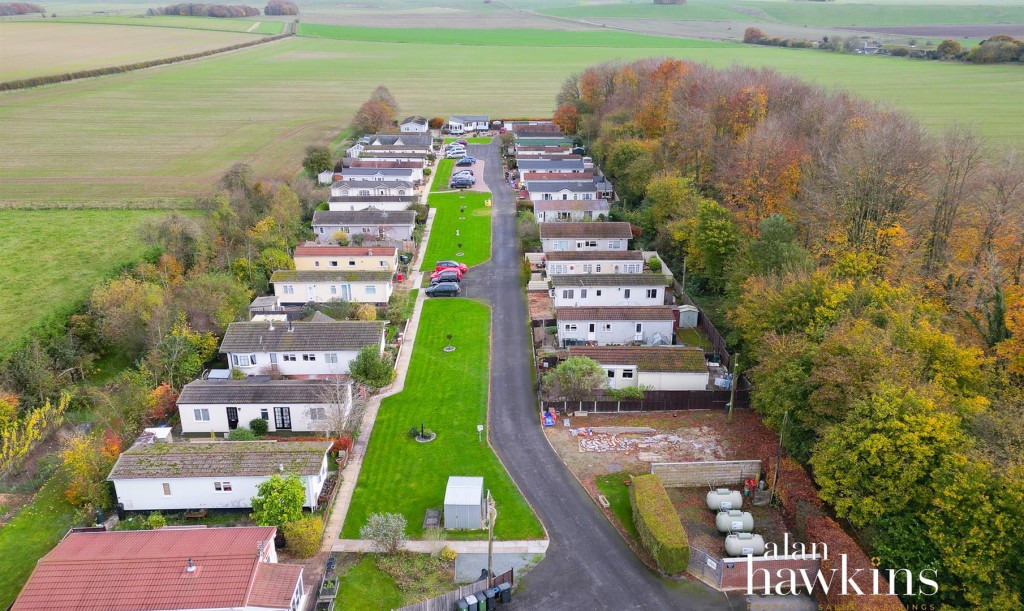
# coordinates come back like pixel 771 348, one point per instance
pixel 389 175
pixel 570 210
pixel 213 474
pixel 551 166
pixel 594 262
pixel 459 124
pixel 576 290
pixel 601 326
pixel 584 236
pixel 314 256
pixel 659 367
pixel 380 225
pixel 297 287
pixel 414 125
pixel 299 349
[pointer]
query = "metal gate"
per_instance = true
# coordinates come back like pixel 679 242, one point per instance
pixel 705 567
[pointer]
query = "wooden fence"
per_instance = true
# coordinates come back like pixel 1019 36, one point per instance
pixel 448 602
pixel 656 401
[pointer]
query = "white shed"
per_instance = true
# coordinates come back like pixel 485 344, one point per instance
pixel 688 316
pixel 464 505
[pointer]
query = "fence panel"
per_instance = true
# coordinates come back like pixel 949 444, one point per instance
pixel 706 473
pixel 447 602
pixel 705 567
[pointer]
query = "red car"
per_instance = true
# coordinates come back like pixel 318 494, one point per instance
pixel 448 263
pixel 462 142
pixel 435 275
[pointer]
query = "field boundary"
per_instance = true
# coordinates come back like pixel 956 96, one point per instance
pixel 52 79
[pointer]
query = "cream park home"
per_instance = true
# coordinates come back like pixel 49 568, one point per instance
pixel 296 287
pixel 299 406
pixel 299 349
pixel 585 236
pixel 213 474
pixel 657 367
pixel 313 256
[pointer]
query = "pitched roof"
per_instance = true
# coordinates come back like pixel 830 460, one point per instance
pixel 257 390
pixel 396 173
pixel 414 119
pixel 678 359
pixel 219 459
pixel 371 199
pixel 614 313
pixel 274 585
pixel 370 162
pixel 331 275
pixel 468 118
pixel 390 139
pixel 554 205
pixel 594 255
pixel 538 165
pixel 145 570
pixel 312 336
pixel 583 230
pixel 558 176
pixel 608 280
pixel 553 186
pixel 371 184
pixel 419 153
pixel 311 250
pixel 364 217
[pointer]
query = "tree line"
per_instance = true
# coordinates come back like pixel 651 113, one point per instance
pixel 19 8
pixel 868 272
pixel 206 10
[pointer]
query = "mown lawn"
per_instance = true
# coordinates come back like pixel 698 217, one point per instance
pixel 364 587
pixel 611 486
pixel 30 535
pixel 443 176
pixel 473 140
pixel 50 260
pixel 474 231
pixel 447 393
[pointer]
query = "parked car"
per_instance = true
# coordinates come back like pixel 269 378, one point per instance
pixel 466 161
pixel 446 270
pixel 452 147
pixel 461 176
pixel 445 277
pixel 451 263
pixel 462 141
pixel 455 155
pixel 444 289
pixel 463 173
pixel 461 183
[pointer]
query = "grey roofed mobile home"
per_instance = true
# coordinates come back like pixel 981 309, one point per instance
pixel 220 459
pixel 551 165
pixel 464 505
pixel 364 217
pixel 383 174
pixel 312 336
pixel 255 390
pixel 609 280
pixel 399 139
pixel 586 230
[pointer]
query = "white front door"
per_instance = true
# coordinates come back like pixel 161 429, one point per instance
pixel 310 292
pixel 639 332
pixel 592 332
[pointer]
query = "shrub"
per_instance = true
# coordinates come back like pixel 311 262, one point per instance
pixel 243 434
pixel 386 530
pixel 258 426
pixel 279 500
pixel 366 311
pixel 342 444
pixel 447 554
pixel 304 536
pixel 426 171
pixel 372 369
pixel 436 123
pixel 654 264
pixel 339 236
pixel 658 525
pixel 752 35
pixel 156 520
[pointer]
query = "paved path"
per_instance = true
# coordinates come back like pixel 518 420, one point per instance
pixel 588 565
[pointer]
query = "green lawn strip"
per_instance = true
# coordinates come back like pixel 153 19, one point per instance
pixel 474 231
pixel 501 38
pixel 185 22
pixel 447 393
pixel 473 140
pixel 31 534
pixel 612 487
pixel 443 175
pixel 51 259
pixel 364 587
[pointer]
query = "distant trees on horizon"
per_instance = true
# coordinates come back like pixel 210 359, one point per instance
pixel 206 10
pixel 19 8
pixel 281 7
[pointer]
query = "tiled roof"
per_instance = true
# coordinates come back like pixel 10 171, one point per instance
pixel 220 459
pixel 611 313
pixel 414 119
pixel 547 128
pixel 371 184
pixel 257 390
pixel 312 336
pixel 584 230
pixel 329 275
pixel 468 118
pixel 144 570
pixel 570 280
pixel 349 162
pixel 656 358
pixel 345 251
pixel 594 255
pixel 274 585
pixel 395 173
pixel 364 217
pixel 558 176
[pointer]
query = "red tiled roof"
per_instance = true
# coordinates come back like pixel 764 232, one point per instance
pixel 344 251
pixel 617 313
pixel 274 585
pixel 146 570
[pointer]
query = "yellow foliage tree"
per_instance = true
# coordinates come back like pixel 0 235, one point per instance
pixel 18 436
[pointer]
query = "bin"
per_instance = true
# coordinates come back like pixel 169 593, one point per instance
pixel 462 604
pixel 471 602
pixel 481 601
pixel 492 599
pixel 505 592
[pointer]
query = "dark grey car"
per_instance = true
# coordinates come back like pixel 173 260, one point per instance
pixel 444 289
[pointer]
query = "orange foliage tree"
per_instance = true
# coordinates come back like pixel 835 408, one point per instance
pixel 567 118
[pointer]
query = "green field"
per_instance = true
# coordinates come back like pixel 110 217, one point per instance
pixel 252 24
pixel 50 259
pixel 474 231
pixel 173 131
pixel 447 393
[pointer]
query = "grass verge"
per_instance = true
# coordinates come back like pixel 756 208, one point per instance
pixel 443 175
pixel 475 140
pixel 611 486
pixel 474 231
pixel 447 393
pixel 364 587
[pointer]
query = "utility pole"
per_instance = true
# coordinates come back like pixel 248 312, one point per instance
pixel 490 538
pixel 735 381
pixel 778 459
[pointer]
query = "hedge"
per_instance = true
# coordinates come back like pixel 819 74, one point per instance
pixel 658 525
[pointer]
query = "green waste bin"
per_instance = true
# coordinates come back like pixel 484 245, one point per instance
pixel 481 601
pixel 463 606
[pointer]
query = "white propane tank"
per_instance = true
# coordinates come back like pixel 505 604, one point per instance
pixel 744 544
pixel 734 521
pixel 724 499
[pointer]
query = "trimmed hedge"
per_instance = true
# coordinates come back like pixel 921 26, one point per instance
pixel 658 525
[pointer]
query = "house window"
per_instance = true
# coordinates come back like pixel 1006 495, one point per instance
pixel 334 290
pixel 583 293
pixel 201 414
pixel 614 244
pixel 606 327
pixel 587 196
pixel 351 262
pixel 273 358
pixel 652 293
pixel 289 358
pixel 317 413
pixel 611 374
pixel 308 357
pixel 316 264
pixel 633 268
pixel 331 357
pixel 563 216
pixel 626 294
pixel 570 327
pixel 627 374
pixel 334 264
pixel 288 289
pixel 264 414
pixel 321 229
pixel 371 290
pixel 167 489
pixel 243 360
pixel 364 191
pixel 567 293
pixel 588 269
pixel 222 486
pixel 366 230
pixel 597 293
pixel 597 268
pixel 590 244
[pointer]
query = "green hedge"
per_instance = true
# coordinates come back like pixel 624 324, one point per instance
pixel 658 525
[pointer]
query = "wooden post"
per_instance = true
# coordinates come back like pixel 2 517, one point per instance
pixel 735 381
pixel 490 538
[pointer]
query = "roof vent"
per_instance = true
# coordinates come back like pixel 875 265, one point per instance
pixel 271 327
pixel 291 327
pixel 191 568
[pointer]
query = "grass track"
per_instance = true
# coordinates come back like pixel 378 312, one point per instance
pixel 474 232
pixel 447 392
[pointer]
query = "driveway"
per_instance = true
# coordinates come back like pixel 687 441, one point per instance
pixel 588 565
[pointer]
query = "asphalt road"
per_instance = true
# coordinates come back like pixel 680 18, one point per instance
pixel 588 565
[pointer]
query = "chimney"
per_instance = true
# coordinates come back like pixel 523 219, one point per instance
pixel 191 568
pixel 271 327
pixel 291 327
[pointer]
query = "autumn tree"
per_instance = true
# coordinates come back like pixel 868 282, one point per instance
pixel 575 379
pixel 949 48
pixel 436 122
pixel 714 243
pixel 128 313
pixel 752 35
pixel 180 355
pixel 373 116
pixel 19 435
pixel 383 95
pixel 87 460
pixel 317 160
pixel 566 118
pixel 959 160
pixel 776 251
pixel 212 300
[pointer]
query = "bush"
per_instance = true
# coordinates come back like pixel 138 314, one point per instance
pixel 258 426
pixel 243 434
pixel 654 264
pixel 427 172
pixel 436 123
pixel 278 500
pixel 386 530
pixel 366 311
pixel 658 525
pixel 372 369
pixel 156 520
pixel 447 554
pixel 304 536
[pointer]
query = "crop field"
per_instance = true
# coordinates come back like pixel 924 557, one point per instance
pixel 32 48
pixel 50 259
pixel 252 25
pixel 171 132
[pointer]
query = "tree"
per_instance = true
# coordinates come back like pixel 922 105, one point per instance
pixel 366 311
pixel 381 94
pixel 181 354
pixel 528 231
pixel 576 378
pixel 238 178
pixel 129 313
pixel 155 520
pixel 949 48
pixel 386 530
pixel 776 251
pixel 278 500
pixel 436 123
pixel 18 436
pixel 318 159
pixel 752 35
pixel 714 243
pixel 343 412
pixel 373 116
pixel 87 460
pixel 371 368
pixel 287 213
pixel 212 300
pixel 304 536
pixel 880 460
pixel 960 159
pixel 566 117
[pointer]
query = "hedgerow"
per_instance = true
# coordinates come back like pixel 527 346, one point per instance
pixel 658 525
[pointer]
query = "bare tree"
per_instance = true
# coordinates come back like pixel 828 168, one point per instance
pixel 961 156
pixel 343 410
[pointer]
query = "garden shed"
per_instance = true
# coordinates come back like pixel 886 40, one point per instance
pixel 464 504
